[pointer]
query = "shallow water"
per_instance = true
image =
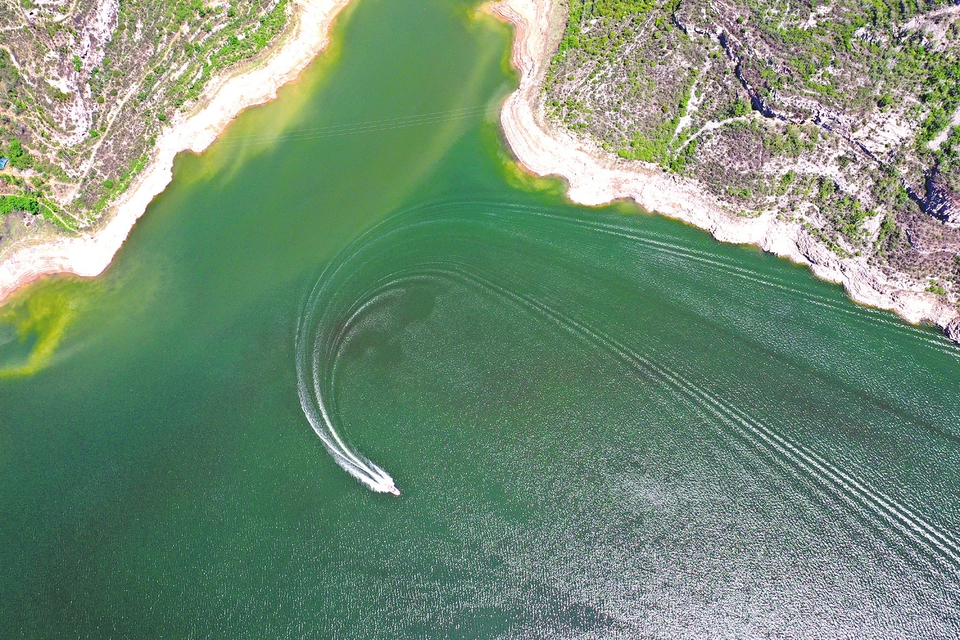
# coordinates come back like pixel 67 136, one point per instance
pixel 604 423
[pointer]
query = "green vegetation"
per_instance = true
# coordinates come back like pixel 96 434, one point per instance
pixel 834 115
pixel 165 51
pixel 826 240
pixel 19 158
pixel 113 188
pixel 10 80
pixel 847 217
pixel 889 236
pixel 793 142
pixel 9 204
pixel 739 108
pixel 582 12
pixel 58 95
pixel 934 287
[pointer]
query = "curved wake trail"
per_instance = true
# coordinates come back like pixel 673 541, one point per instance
pixel 656 242
pixel 870 503
pixel 316 351
pixel 321 336
pixel 661 244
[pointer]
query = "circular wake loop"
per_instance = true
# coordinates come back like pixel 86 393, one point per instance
pixel 318 342
pixel 335 308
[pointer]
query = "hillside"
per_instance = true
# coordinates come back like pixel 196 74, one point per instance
pixel 843 117
pixel 86 87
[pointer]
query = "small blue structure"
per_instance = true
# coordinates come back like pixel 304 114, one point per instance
pixel 3 163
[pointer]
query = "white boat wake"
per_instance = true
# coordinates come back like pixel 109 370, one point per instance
pixel 317 349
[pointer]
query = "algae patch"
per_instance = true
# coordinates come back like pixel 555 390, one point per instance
pixel 31 329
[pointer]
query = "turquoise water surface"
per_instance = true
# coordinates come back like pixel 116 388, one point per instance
pixel 604 424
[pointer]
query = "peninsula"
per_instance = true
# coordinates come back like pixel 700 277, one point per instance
pixel 828 134
pixel 97 99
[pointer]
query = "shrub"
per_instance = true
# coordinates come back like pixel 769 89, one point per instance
pixel 9 204
pixel 19 158
pixel 933 287
pixel 739 108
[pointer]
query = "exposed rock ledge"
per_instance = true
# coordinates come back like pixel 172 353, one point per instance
pixel 596 177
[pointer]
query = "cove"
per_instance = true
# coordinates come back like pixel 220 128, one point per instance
pixel 603 422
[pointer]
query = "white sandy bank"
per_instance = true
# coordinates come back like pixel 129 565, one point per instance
pixel 89 254
pixel 596 177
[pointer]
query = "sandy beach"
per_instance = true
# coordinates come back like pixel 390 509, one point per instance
pixel 596 177
pixel 90 253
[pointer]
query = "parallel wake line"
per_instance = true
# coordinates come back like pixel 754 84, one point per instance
pixel 849 489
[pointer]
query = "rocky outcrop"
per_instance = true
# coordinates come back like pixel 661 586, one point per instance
pixel 940 201
pixel 953 329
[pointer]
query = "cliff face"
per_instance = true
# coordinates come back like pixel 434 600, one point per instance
pixel 953 330
pixel 941 201
pixel 777 171
pixel 843 118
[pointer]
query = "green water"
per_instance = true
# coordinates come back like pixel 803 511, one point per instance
pixel 604 423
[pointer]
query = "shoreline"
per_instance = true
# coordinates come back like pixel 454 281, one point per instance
pixel 90 253
pixel 595 177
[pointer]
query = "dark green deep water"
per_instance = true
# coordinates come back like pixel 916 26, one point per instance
pixel 604 423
